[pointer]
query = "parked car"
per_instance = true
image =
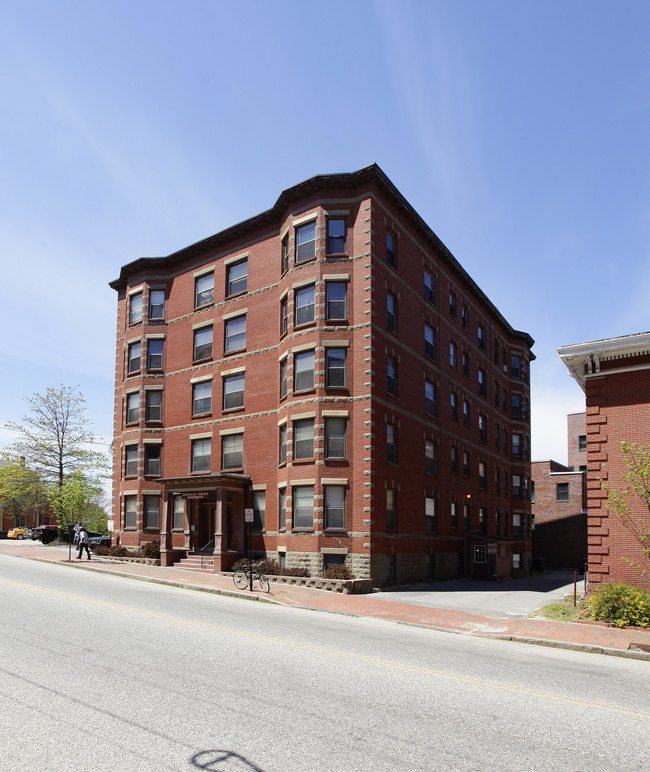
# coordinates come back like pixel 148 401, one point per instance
pixel 3 534
pixel 97 540
pixel 16 533
pixel 45 533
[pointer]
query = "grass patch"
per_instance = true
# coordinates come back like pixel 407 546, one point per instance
pixel 562 611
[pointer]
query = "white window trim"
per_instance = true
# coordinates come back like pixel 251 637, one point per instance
pixel 204 271
pixel 234 371
pixel 236 259
pixel 225 432
pixel 305 219
pixel 201 379
pixel 204 323
pixel 204 436
pixel 335 481
pixel 234 314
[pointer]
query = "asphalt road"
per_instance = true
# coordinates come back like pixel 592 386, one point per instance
pixel 104 673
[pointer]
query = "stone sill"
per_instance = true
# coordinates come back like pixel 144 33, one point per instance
pixel 343 586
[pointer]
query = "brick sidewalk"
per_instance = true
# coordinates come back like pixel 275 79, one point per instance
pixel 573 635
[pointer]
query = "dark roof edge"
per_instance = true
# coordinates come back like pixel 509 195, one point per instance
pixel 371 173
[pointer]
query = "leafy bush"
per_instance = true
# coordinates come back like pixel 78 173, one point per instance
pixel 101 550
pixel 117 552
pixel 300 572
pixel 151 550
pixel 270 567
pixel 621 604
pixel 338 572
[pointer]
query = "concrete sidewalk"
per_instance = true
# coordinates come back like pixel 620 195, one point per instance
pixel 581 636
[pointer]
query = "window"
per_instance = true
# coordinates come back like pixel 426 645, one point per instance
pixel 465 364
pixel 284 258
pixel 305 305
pixel 282 508
pixel 132 408
pixel 391 312
pixel 482 342
pixel 453 514
pixel 498 524
pixel 259 510
pixel 582 442
pixel 391 375
pixel 497 435
pixel 515 366
pixel 130 460
pixel 233 392
pixel 480 553
pixel 466 463
pixel 336 236
pixel 516 405
pixel 130 512
pixel 156 304
pixel 496 393
pixel 516 525
pixel 464 315
pixel 135 308
pixel 306 242
pixel 303 439
pixel 236 278
pixel 178 521
pixel 336 300
pixel 153 409
pixel 482 383
pixel 134 352
pixel 335 431
pixel 430 399
pixel 505 441
pixel 497 481
pixel 466 412
pixel 391 249
pixel 430 457
pixel 152 459
pixel 201 454
pixel 204 290
pixel 430 516
pixel 453 401
pixel 391 509
pixel 454 459
pixel 482 520
pixel 453 309
pixel 505 483
pixel 516 560
pixel 429 287
pixel 335 367
pixel 482 428
pixel 202 343
pixel 232 451
pixel 154 354
pixel 516 485
pixel 152 513
pixel 303 506
pixel 391 443
pixel 284 315
pixel 496 352
pixel 283 379
pixel 235 334
pixel 430 342
pixel 202 398
pixel 334 506
pixel 453 355
pixel 482 476
pixel 466 516
pixel 303 365
pixel 562 492
pixel 282 442
pixel 516 444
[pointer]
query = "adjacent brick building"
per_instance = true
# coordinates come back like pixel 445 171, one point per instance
pixel 330 365
pixel 614 375
pixel 560 502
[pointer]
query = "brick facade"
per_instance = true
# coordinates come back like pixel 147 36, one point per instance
pixel 614 374
pixel 323 362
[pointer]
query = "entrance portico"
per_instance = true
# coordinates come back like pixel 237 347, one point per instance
pixel 204 515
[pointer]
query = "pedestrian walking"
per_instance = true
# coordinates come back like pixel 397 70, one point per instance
pixel 83 543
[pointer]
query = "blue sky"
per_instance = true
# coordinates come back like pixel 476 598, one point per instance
pixel 520 131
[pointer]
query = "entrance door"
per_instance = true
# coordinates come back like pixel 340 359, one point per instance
pixel 205 526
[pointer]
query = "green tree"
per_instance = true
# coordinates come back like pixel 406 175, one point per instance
pixel 78 500
pixel 632 501
pixel 22 490
pixel 56 438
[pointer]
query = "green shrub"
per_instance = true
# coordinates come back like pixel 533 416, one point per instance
pixel 151 550
pixel 621 604
pixel 338 572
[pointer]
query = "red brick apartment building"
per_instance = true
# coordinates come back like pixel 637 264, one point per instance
pixel 559 503
pixel 330 365
pixel 615 377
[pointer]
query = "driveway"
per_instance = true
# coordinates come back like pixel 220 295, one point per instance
pixel 515 598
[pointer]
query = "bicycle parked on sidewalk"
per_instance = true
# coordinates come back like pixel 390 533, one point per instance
pixel 242 577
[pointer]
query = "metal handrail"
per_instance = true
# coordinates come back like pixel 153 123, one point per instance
pixel 203 551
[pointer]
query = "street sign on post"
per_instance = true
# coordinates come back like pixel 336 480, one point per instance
pixel 249 519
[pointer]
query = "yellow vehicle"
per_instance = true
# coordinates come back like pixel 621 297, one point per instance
pixel 16 533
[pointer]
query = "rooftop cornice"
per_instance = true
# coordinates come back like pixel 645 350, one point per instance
pixel 583 359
